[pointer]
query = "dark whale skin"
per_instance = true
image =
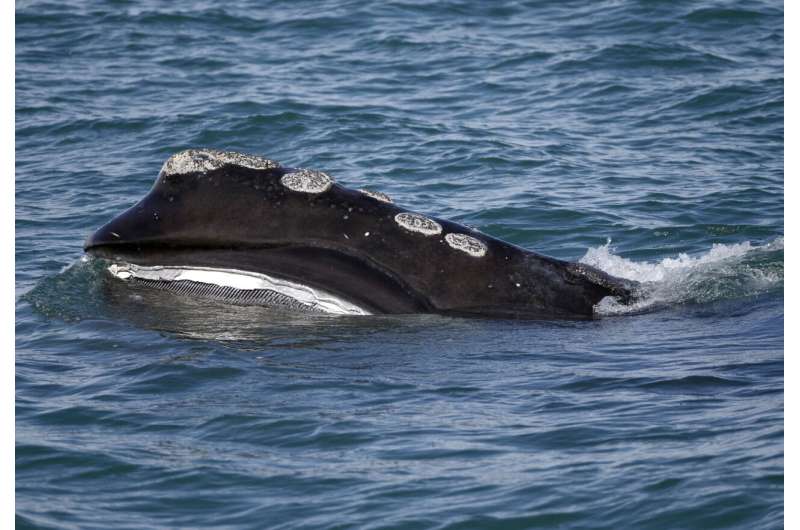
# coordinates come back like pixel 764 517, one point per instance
pixel 345 242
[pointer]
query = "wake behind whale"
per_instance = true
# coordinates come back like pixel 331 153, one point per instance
pixel 723 272
pixel 243 228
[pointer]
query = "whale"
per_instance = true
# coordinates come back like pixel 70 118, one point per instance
pixel 244 229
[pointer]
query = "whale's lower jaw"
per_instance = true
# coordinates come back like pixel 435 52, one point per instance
pixel 236 287
pixel 301 278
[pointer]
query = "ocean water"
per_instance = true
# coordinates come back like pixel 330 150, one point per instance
pixel 643 137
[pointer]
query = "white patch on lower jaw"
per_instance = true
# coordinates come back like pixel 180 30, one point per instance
pixel 244 280
pixel 120 271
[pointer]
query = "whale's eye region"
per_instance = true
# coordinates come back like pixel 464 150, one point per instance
pixel 415 222
pixel 472 246
pixel 307 181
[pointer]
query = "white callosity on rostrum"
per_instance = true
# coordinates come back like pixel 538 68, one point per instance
pixel 472 246
pixel 415 222
pixel 202 160
pixel 377 195
pixel 307 181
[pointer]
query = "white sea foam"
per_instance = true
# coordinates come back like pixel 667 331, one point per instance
pixel 724 271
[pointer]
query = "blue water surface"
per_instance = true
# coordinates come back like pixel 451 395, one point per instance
pixel 643 137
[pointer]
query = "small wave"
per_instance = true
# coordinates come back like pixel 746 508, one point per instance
pixel 722 272
pixel 648 57
pixel 719 15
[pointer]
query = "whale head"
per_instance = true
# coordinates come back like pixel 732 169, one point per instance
pixel 246 227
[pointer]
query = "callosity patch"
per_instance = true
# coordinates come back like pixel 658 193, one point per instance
pixel 202 160
pixel 307 181
pixel 472 246
pixel 415 222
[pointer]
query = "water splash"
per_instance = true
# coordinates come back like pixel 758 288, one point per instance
pixel 722 272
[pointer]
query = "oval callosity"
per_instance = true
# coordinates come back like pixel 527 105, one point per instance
pixel 471 245
pixel 307 181
pixel 415 222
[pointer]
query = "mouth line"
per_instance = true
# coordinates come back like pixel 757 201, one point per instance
pixel 235 286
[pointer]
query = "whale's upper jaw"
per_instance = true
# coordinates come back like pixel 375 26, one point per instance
pixel 162 218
